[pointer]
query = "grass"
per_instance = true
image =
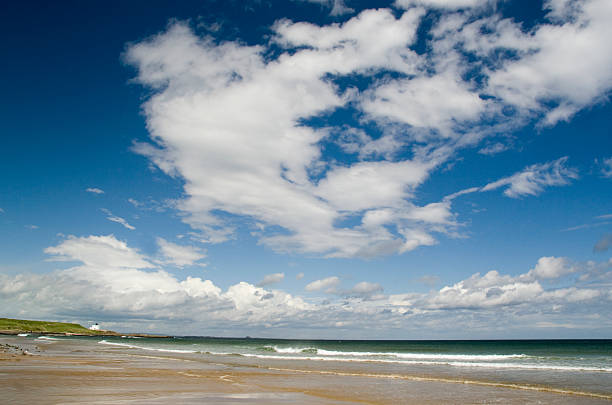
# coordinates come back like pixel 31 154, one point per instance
pixel 24 326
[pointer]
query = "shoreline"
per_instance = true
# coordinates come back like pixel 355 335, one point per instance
pixel 77 334
pixel 67 371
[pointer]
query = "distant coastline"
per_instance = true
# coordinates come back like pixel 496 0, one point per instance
pixel 10 326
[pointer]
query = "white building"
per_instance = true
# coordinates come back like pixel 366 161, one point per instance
pixel 95 326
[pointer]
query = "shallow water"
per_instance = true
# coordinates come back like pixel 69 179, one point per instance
pixel 582 367
pixel 210 370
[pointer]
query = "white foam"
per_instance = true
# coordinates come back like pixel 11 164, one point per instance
pixel 408 356
pixel 436 363
pixel 292 349
pixel 23 334
pixel 424 356
pixel 454 360
pixel 46 338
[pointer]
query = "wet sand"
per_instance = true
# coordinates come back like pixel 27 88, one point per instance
pixel 79 371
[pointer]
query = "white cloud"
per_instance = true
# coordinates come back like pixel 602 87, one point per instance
pixel 567 64
pixel 436 102
pixel 94 190
pixel 495 290
pixel 299 276
pixel 551 267
pixel 269 167
pixel 328 284
pixel 180 255
pixel 493 149
pixel 258 167
pixel 271 279
pixel 114 282
pixel 533 179
pixel 98 251
pixel 117 219
pixel 30 226
pixel 1 211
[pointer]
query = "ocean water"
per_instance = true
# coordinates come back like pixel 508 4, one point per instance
pixel 575 367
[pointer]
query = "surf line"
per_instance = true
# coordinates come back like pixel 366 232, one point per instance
pixel 450 380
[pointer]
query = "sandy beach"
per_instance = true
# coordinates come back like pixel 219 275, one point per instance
pixel 83 371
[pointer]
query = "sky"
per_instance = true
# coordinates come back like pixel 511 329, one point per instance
pixel 408 169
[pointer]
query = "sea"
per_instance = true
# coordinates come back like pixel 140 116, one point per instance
pixel 574 367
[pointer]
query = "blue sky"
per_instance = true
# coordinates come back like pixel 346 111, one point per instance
pixel 310 168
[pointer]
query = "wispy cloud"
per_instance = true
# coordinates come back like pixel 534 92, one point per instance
pixel 533 179
pixel 180 255
pixel 493 149
pixel 95 190
pixel 117 219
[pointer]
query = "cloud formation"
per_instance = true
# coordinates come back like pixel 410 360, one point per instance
pixel 533 179
pixel 111 281
pixel 235 124
pixel 271 279
pixel 180 255
pixel 115 218
pixel 94 190
pixel 328 284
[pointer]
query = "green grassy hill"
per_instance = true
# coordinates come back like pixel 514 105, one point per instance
pixel 23 326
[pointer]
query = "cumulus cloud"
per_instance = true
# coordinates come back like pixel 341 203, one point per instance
pixel 495 290
pixel 550 267
pixel 533 179
pixel 179 255
pixel 260 166
pixel 556 67
pixel 113 280
pixel 119 220
pixel 271 279
pixel 94 190
pixel 484 76
pixel 109 281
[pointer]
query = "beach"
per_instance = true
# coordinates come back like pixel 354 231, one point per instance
pixel 93 370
